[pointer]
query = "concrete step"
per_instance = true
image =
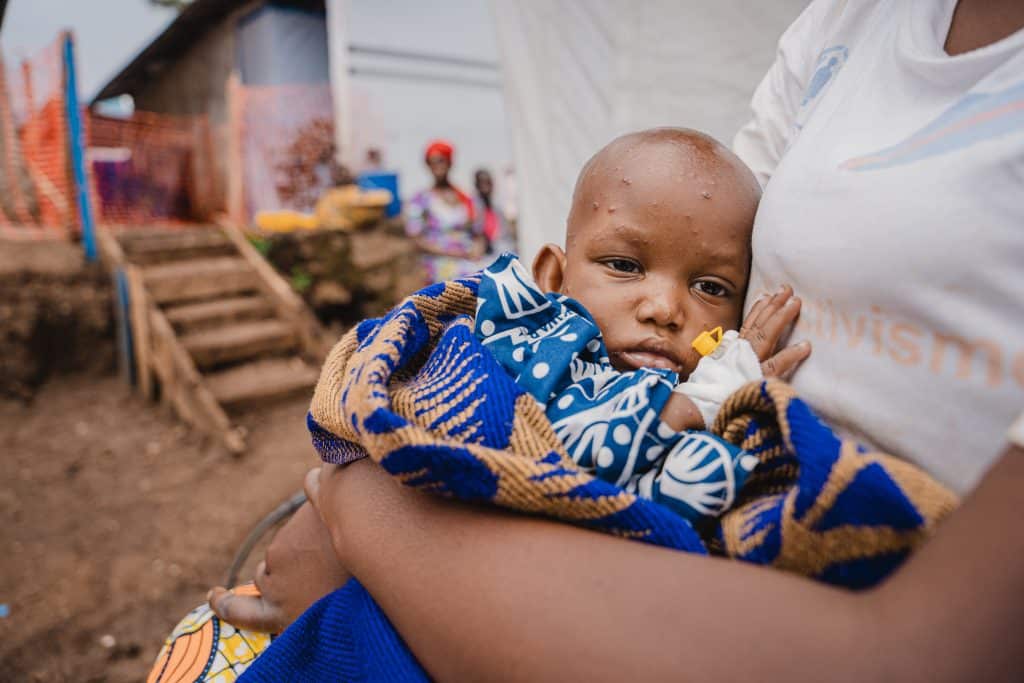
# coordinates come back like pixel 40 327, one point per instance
pixel 261 382
pixel 199 279
pixel 238 342
pixel 207 315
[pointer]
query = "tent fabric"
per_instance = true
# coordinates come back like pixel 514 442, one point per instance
pixel 579 72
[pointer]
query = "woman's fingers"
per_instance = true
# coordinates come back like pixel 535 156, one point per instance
pixel 783 363
pixel 253 612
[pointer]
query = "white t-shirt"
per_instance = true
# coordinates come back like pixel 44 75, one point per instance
pixel 895 208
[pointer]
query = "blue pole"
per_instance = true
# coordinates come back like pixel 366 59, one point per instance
pixel 77 152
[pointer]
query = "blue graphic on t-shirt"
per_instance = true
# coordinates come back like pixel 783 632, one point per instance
pixel 975 118
pixel 830 61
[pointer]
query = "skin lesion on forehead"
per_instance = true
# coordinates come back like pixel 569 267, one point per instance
pixel 663 167
pixel 625 233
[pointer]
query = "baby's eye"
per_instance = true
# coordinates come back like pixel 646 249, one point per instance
pixel 712 288
pixel 623 265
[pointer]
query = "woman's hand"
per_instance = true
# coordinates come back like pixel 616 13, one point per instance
pixel 299 568
pixel 768 321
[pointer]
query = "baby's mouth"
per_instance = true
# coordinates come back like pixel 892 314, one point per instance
pixel 634 359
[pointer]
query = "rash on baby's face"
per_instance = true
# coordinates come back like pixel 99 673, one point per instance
pixel 658 243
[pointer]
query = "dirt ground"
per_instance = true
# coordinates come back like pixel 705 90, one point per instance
pixel 56 315
pixel 118 519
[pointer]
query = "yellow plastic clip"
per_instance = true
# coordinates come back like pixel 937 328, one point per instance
pixel 707 341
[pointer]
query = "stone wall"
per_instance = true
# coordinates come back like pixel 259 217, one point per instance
pixel 346 276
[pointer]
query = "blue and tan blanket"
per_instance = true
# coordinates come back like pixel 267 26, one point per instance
pixel 418 393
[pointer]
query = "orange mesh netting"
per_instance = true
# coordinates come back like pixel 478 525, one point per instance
pixel 35 179
pixel 152 168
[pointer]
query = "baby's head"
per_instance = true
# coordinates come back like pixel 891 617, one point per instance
pixel 657 245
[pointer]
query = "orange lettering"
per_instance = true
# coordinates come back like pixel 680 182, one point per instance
pixel 876 328
pixel 853 337
pixel 901 334
pixel 1018 368
pixel 967 350
pixel 818 318
pixel 832 319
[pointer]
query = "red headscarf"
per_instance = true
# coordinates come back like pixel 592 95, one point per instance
pixel 445 149
pixel 442 147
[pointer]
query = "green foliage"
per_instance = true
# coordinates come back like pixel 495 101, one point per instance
pixel 262 244
pixel 301 279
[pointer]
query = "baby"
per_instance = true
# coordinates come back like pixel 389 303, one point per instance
pixel 657 253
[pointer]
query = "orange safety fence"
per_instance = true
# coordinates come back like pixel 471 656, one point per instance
pixel 275 151
pixel 36 190
pixel 152 168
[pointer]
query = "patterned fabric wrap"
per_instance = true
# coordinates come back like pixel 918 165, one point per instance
pixel 418 393
pixel 607 420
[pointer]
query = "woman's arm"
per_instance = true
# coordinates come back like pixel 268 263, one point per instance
pixel 479 595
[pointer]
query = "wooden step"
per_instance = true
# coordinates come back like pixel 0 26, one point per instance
pixel 261 382
pixel 199 279
pixel 239 341
pixel 206 315
pixel 144 247
pixel 151 257
pixel 153 240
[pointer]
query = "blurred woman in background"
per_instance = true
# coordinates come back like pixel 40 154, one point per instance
pixel 490 221
pixel 441 220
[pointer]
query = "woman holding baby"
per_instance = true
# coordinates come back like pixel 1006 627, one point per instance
pixel 888 138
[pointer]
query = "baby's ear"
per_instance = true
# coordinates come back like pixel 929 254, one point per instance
pixel 549 268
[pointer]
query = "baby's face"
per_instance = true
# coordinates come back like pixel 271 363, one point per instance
pixel 659 253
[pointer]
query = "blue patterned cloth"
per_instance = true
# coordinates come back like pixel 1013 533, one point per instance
pixel 607 420
pixel 422 396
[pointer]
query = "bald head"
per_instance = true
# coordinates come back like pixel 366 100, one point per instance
pixel 640 166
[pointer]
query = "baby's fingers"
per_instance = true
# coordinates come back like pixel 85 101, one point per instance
pixel 768 321
pixel 783 363
pixel 252 612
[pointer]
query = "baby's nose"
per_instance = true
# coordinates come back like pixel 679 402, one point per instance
pixel 664 309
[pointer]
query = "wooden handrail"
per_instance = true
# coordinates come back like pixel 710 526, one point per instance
pixel 286 301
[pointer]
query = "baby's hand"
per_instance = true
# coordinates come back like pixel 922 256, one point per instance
pixel 764 326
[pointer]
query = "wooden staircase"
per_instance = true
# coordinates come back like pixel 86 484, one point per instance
pixel 215 329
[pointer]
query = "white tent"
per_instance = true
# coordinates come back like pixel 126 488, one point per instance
pixel 578 72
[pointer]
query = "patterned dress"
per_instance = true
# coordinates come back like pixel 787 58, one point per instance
pixel 203 648
pixel 446 227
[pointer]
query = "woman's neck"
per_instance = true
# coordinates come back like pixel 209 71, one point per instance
pixel 442 184
pixel 977 23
